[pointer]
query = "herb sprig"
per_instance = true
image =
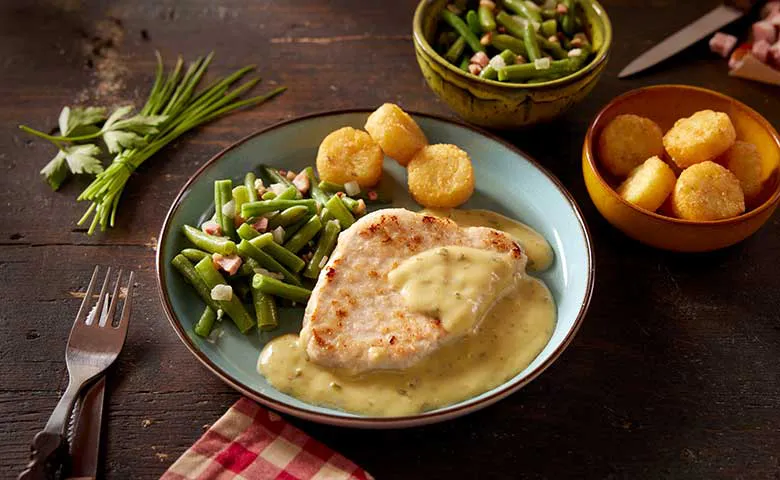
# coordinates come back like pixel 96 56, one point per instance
pixel 173 108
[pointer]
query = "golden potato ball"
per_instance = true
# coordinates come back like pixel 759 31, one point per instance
pixel 649 184
pixel 701 137
pixel 396 132
pixel 707 191
pixel 744 161
pixel 348 154
pixel 627 141
pixel 440 176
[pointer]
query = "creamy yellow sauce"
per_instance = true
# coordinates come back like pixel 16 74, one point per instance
pixel 457 285
pixel 508 339
pixel 510 335
pixel 540 254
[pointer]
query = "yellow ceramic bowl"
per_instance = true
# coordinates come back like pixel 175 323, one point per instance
pixel 503 105
pixel 665 104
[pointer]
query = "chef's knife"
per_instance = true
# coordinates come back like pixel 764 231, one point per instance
pixel 701 28
pixel 85 444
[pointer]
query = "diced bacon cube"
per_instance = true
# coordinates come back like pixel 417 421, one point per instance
pixel 765 31
pixel 761 50
pixel 481 59
pixel 229 263
pixel 212 228
pixel 774 20
pixel 301 182
pixel 723 44
pixel 770 9
pixel 774 53
pixel 261 224
pixel 238 220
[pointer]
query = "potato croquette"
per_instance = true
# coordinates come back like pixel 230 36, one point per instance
pixel 707 191
pixel 396 132
pixel 649 184
pixel 627 141
pixel 441 176
pixel 348 154
pixel 744 161
pixel 699 138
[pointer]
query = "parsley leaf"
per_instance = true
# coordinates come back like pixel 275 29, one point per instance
pixel 73 118
pixel 83 158
pixel 56 171
pixel 117 140
pixel 119 132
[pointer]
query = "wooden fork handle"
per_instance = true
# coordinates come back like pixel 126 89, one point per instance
pixel 46 456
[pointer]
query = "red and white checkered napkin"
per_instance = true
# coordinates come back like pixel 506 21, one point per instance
pixel 251 443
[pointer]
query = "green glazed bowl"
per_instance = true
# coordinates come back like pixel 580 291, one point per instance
pixel 501 105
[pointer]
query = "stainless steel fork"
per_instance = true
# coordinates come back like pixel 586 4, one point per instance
pixel 93 345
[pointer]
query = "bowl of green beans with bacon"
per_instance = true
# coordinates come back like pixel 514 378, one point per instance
pixel 511 63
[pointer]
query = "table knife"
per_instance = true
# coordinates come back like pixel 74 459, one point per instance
pixel 85 442
pixel 699 29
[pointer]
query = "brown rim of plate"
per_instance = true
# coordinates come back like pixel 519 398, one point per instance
pixel 363 421
pixel 601 56
pixel 588 150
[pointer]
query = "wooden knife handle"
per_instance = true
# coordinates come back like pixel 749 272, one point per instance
pixel 46 457
pixel 744 5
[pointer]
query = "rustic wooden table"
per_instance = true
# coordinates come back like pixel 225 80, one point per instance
pixel 674 373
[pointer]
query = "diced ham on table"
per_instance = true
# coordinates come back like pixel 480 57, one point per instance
pixel 211 227
pixel 765 31
pixel 723 44
pixel 228 263
pixel 761 50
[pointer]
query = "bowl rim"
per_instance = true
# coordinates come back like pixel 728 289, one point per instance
pixel 601 57
pixel 444 413
pixel 590 156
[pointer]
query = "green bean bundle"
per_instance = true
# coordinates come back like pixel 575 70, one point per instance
pixel 515 41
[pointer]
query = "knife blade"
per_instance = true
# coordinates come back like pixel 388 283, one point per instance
pixel 704 26
pixel 85 444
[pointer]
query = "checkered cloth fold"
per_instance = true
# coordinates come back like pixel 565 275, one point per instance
pixel 252 443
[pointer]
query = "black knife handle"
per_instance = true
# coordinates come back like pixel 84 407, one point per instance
pixel 46 457
pixel 744 5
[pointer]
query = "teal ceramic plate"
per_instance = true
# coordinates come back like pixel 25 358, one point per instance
pixel 507 180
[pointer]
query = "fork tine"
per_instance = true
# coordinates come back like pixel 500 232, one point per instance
pixel 108 319
pixel 84 308
pixel 126 308
pixel 101 299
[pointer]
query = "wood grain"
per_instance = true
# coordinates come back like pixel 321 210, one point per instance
pixel 673 375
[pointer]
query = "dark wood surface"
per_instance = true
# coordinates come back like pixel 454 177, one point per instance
pixel 675 373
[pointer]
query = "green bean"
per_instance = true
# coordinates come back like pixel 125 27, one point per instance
pixel 472 20
pixel 531 44
pixel 265 310
pixel 459 26
pixel 350 203
pixel 233 307
pixel 191 276
pixel 249 183
pixel 272 286
pixel 331 187
pixel 285 257
pixel 549 27
pixel 314 190
pixel 306 233
pixel 246 249
pixel 464 64
pixel 512 25
pixel 293 229
pixel 222 195
pixel 209 243
pixel 245 270
pixel 553 48
pixel 568 20
pixel 528 71
pixel 206 322
pixel 520 8
pixel 288 216
pixel 508 42
pixel 291 193
pixel 486 19
pixel 247 232
pixel 380 193
pixel 456 50
pixel 340 212
pixel 269 195
pixel 261 241
pixel 274 176
pixel 549 13
pixel 194 255
pixel 255 209
pixel 325 246
pixel 491 73
pixel 240 196
pixel 241 288
pixel 325 215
